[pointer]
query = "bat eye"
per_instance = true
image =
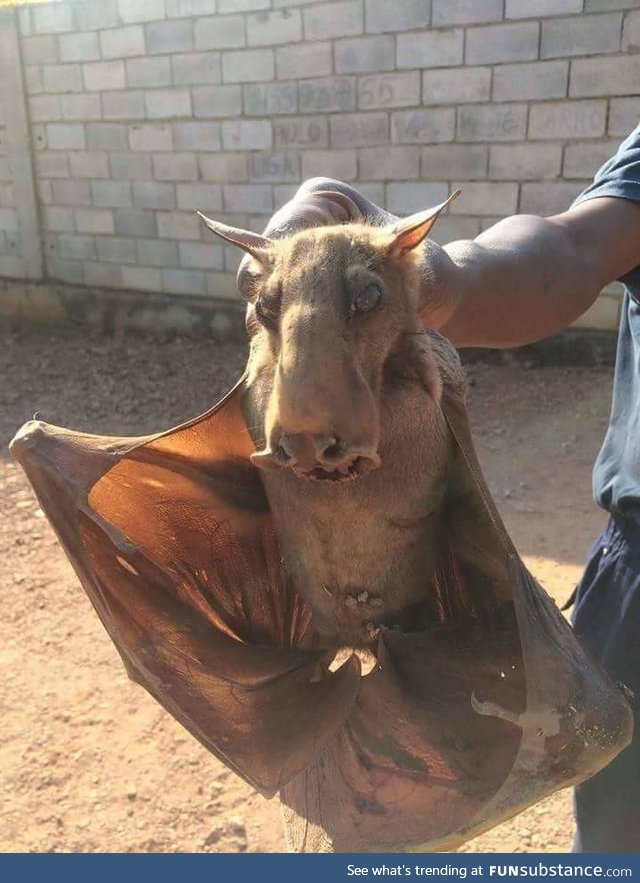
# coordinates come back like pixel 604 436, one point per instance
pixel 368 299
pixel 266 312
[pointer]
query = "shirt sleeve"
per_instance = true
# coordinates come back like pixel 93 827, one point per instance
pixel 619 177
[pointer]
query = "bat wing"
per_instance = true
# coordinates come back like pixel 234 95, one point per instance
pixel 172 540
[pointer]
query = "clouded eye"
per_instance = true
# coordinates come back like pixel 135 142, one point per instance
pixel 267 312
pixel 368 299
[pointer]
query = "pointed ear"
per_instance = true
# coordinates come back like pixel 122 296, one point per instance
pixel 253 243
pixel 409 232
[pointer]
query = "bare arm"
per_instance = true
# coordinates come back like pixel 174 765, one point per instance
pixel 527 277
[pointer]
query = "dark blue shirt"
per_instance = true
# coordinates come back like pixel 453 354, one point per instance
pixel 616 475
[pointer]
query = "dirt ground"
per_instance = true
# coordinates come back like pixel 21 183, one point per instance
pixel 88 761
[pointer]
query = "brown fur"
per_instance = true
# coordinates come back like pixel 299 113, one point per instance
pixel 375 378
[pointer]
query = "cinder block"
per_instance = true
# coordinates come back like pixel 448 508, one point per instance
pixel 631 32
pixel 267 99
pixel 223 287
pixel 274 28
pixel 64 270
pixel 359 129
pixel 111 194
pixel 431 48
pixel 567 119
pixel 132 11
pixel 423 126
pixel 106 136
pixel 217 101
pixel 340 164
pixel 148 72
pixel 66 136
pixel 62 78
pixel 52 18
pixel 603 315
pixel 33 80
pixel 201 256
pixel 384 91
pixel 408 197
pixel 122 42
pixel 68 192
pixel 135 222
pixel 189 8
pixel 303 60
pixel 102 275
pixel 605 5
pixel 389 163
pixel 605 76
pixel 196 68
pixel 326 21
pixel 243 5
pixel 94 220
pixel 522 162
pixel 175 166
pixel 153 194
pixel 247 135
pixel 80 248
pixel 158 252
pixel 80 107
pixel 539 79
pixel 178 225
pixel 125 105
pixel 52 164
pixel 151 137
pixel 24 22
pixel 9 220
pixel 197 136
pixel 57 220
pixel 358 55
pixel 624 114
pixel 549 198
pixel 96 16
pixel 142 278
pixel 165 104
pixel 248 66
pixel 100 76
pixel 583 159
pixel 465 12
pixel 274 167
pixel 582 35
pixel 248 198
pixel 227 168
pixel 500 43
pixel 40 50
pixel 79 47
pixel 126 166
pixel 169 36
pixel 44 108
pixel 456 85
pixel 462 162
pixel 220 32
pixel 380 15
pixel 199 197
pixel 88 165
pixel 452 228
pixel 116 250
pixel 490 122
pixel 327 94
pixel 485 198
pixel 541 8
pixel 184 282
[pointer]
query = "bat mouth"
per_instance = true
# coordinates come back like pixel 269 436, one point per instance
pixel 361 466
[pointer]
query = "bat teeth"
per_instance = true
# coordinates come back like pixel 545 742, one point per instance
pixel 363 597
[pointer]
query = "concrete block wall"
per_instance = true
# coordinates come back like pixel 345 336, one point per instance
pixel 142 111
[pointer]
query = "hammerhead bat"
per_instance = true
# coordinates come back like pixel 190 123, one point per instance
pixel 312 576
